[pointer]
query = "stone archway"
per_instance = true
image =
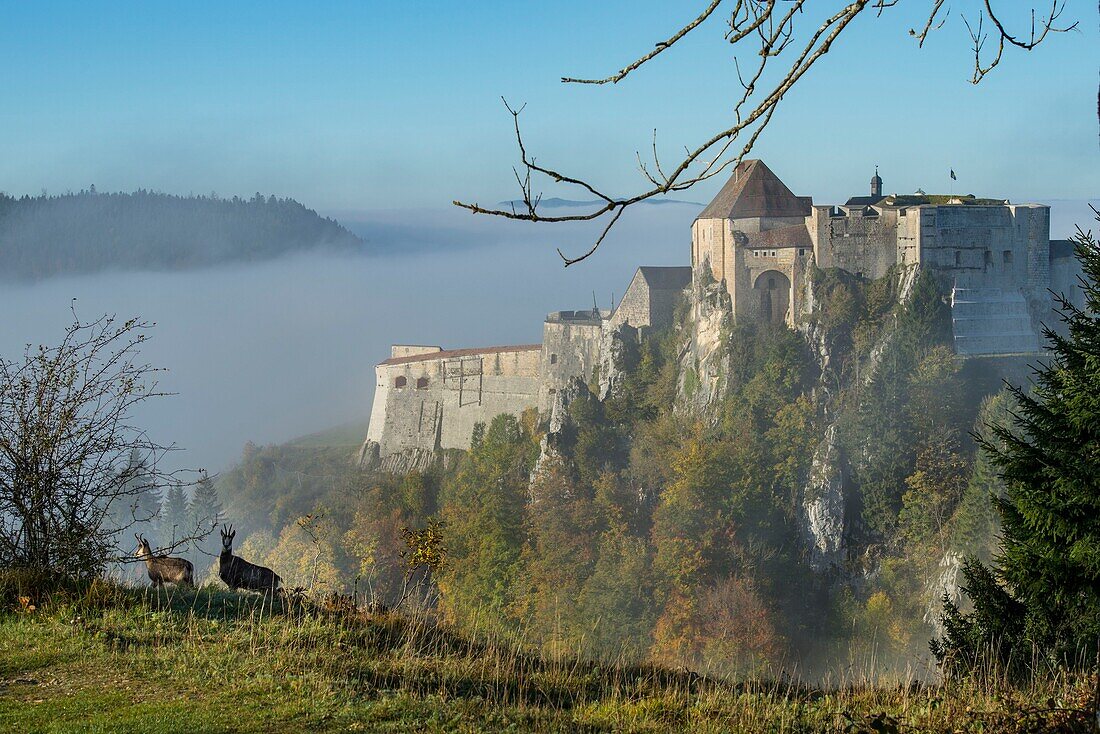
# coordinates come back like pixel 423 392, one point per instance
pixel 773 295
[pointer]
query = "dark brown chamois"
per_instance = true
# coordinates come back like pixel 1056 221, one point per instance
pixel 163 569
pixel 238 573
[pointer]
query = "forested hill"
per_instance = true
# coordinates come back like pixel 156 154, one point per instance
pixel 87 231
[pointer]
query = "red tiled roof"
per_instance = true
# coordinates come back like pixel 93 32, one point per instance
pixel 795 235
pixel 448 353
pixel 754 191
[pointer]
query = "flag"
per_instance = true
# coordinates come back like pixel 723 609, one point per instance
pixel 953 175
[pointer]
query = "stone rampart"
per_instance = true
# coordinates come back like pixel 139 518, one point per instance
pixel 570 349
pixel 432 400
pixel 861 240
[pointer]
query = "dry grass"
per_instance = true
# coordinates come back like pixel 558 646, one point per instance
pixel 107 658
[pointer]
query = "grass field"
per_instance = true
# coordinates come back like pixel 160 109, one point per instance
pixel 111 659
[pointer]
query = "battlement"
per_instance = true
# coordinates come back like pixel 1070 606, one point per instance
pixel 592 317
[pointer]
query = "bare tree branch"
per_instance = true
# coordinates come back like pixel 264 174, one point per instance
pixel 660 46
pixel 978 37
pixel 769 29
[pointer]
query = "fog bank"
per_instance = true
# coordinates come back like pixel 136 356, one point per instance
pixel 270 351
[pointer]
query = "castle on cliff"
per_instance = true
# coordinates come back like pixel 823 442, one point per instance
pixel 993 260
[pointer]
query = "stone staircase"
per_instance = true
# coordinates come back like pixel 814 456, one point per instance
pixel 991 321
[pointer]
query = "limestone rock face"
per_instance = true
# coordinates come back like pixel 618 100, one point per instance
pixel 824 496
pixel 409 460
pixel 823 505
pixel 704 364
pixel 559 409
pixel 614 343
pixel 401 462
pixel 946 581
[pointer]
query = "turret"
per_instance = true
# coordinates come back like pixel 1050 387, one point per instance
pixel 876 184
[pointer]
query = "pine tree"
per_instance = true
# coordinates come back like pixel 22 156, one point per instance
pixel 174 515
pixel 206 509
pixel 1049 459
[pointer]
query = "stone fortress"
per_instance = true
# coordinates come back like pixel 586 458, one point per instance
pixel 993 259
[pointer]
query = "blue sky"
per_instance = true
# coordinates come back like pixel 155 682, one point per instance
pixel 367 105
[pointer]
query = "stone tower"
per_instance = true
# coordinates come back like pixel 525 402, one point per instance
pixel 876 185
pixel 751 238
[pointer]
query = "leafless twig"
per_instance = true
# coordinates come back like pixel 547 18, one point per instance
pixel 769 29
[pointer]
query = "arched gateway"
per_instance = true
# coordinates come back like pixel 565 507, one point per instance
pixel 772 290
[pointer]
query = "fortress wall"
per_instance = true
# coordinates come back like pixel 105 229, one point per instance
pixel 412 350
pixel 817 224
pixel 568 350
pixel 653 303
pixel 379 406
pixel 854 242
pixel 662 308
pixel 1064 273
pixel 994 260
pixel 908 236
pixel 1004 247
pixel 1033 235
pixel 708 241
pixel 441 399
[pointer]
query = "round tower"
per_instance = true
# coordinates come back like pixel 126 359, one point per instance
pixel 876 184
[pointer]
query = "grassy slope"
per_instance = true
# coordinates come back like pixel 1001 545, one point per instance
pixel 349 434
pixel 209 661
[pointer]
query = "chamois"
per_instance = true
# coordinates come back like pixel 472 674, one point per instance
pixel 238 573
pixel 163 569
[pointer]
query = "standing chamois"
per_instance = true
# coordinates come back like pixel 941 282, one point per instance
pixel 238 573
pixel 164 570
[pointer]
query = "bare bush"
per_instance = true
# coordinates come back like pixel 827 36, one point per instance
pixel 74 469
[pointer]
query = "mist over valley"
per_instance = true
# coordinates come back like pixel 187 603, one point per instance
pixel 268 351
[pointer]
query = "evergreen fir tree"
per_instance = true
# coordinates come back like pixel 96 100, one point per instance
pixel 206 509
pixel 1050 511
pixel 174 515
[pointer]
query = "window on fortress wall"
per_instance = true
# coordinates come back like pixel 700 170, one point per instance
pixel 553 359
pixel 988 258
pixel 1008 257
pixel 958 258
pixel 400 381
pixel 421 383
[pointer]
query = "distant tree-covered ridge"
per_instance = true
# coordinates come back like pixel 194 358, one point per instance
pixel 85 232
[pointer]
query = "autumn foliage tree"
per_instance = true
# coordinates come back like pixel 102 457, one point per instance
pixel 483 505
